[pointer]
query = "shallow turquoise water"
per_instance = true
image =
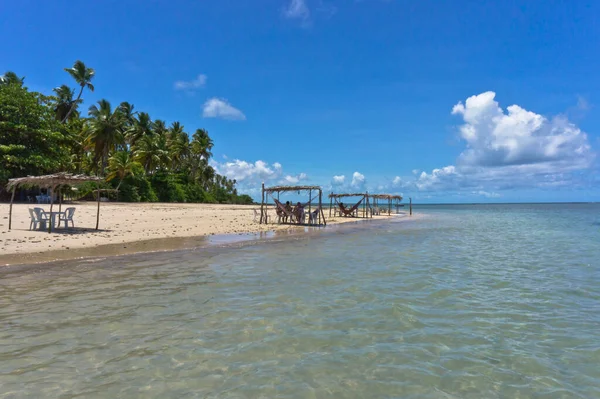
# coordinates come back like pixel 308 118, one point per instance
pixel 494 301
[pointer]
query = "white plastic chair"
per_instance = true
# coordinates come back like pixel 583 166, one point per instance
pixel 38 216
pixel 313 217
pixel 67 217
pixel 33 225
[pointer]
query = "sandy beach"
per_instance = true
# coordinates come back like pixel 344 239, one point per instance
pixel 129 228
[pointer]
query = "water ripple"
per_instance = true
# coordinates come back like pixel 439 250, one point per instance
pixel 497 302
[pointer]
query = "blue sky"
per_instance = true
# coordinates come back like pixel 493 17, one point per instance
pixel 443 101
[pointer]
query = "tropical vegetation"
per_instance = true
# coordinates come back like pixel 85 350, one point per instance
pixel 145 159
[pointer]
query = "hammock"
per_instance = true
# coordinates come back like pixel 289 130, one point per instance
pixel 350 212
pixel 282 211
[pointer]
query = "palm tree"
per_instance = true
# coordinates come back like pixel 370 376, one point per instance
pixel 179 145
pixel 202 144
pixel 65 102
pixel 105 130
pixel 121 165
pixel 141 126
pixel 159 127
pixel 152 153
pixel 83 76
pixel 10 77
pixel 127 111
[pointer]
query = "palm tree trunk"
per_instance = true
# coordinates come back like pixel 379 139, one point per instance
pixel 73 106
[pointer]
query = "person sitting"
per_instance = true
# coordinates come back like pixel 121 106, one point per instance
pixel 288 208
pixel 299 212
pixel 342 208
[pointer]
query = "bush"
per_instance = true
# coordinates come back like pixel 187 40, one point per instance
pixel 167 188
pixel 195 193
pixel 137 189
pixel 129 193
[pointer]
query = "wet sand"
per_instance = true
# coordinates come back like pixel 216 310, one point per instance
pixel 133 227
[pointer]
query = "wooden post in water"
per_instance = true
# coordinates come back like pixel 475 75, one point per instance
pixel 12 198
pixel 410 206
pixel 262 203
pixel 321 214
pixel 309 202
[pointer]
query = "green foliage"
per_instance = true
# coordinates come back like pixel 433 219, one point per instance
pixel 31 140
pixel 142 186
pixel 167 188
pixel 243 199
pixel 145 159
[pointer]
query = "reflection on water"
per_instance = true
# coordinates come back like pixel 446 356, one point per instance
pixel 499 302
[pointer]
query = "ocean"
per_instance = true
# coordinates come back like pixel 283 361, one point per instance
pixel 460 301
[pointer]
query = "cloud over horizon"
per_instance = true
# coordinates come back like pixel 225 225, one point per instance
pixel 250 175
pixel 338 180
pixel 505 150
pixel 358 180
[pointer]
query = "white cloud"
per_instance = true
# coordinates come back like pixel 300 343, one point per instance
pixel 416 171
pixel 486 194
pixel 442 178
pixel 518 137
pixel 513 149
pixel 397 181
pixel 358 180
pixel 338 180
pixel 220 108
pixel 243 171
pixel 250 175
pixel 297 9
pixel 197 83
pixel 289 179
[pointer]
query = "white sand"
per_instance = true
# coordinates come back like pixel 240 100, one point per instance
pixel 129 223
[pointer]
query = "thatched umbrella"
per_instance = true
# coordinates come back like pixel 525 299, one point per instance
pixel 51 182
pixel 280 189
pixel 363 197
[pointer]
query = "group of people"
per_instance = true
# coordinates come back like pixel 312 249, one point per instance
pixel 297 211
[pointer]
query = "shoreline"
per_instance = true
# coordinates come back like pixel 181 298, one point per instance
pixel 188 226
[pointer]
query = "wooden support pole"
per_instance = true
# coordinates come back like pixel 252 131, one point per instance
pixel 330 204
pixel 51 217
pixel 321 214
pixel 59 200
pixel 262 203
pixel 12 199
pixel 309 200
pixel 98 211
pixel 410 206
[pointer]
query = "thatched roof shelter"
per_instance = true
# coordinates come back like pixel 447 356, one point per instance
pixel 389 198
pixel 334 195
pixel 50 181
pixel 339 208
pixel 276 190
pixel 290 188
